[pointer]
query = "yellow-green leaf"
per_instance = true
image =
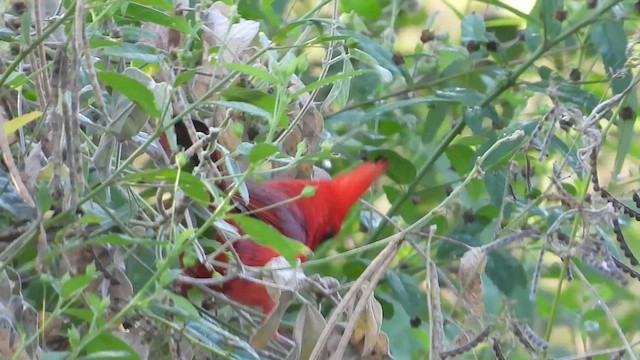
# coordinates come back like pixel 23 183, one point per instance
pixel 14 124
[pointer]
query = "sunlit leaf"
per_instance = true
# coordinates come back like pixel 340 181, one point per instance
pixel 190 184
pixel 264 234
pixel 133 90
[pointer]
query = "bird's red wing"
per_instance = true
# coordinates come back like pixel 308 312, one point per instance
pixel 286 217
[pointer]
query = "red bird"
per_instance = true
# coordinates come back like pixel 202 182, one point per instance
pixel 309 220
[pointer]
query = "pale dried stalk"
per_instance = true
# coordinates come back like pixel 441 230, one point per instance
pixel 594 353
pixel 436 322
pixel 43 76
pixel 91 71
pixel 374 271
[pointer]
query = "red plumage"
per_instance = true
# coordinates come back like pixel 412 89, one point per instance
pixel 308 220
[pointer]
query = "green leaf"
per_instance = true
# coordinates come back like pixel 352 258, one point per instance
pixel 473 116
pixel 117 349
pixel 328 80
pixel 126 50
pixel 464 96
pixel 123 240
pixel 133 90
pixel 505 272
pixel 245 108
pixel 76 284
pixel 281 36
pixel 381 54
pixel 253 71
pixel 461 158
pixel 609 39
pixel 408 212
pixel 183 306
pixel 264 234
pixel 546 9
pixel 368 9
pixel 16 123
pixel 400 169
pixel 223 344
pixel 568 153
pixel 358 116
pixel 566 92
pixel 192 185
pixel 495 182
pixel 183 77
pixel 407 292
pixel 626 131
pixel 474 29
pixel 260 10
pixel 501 154
pixel 262 151
pixel 149 14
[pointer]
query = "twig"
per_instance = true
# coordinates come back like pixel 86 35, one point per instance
pixel 594 353
pixel 373 272
pixel 606 309
pixel 436 322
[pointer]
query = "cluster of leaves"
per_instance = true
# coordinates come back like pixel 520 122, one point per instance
pixel 510 189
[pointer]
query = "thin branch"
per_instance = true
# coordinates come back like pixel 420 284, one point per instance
pixel 607 311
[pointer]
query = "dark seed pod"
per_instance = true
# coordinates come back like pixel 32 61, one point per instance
pixel 626 113
pixel 473 46
pixel 19 7
pixel 468 346
pixel 575 75
pixel 496 350
pixel 561 15
pixel 427 36
pixel 397 59
pixel 623 243
pixel 493 46
pixel 626 269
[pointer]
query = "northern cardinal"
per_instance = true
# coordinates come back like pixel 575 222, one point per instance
pixel 309 220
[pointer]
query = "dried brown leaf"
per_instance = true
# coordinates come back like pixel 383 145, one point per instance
pixel 472 266
pixel 380 350
pixel 10 340
pixel 118 288
pixel 32 166
pixel 368 326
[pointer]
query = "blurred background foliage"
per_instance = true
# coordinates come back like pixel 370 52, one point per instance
pixel 534 253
